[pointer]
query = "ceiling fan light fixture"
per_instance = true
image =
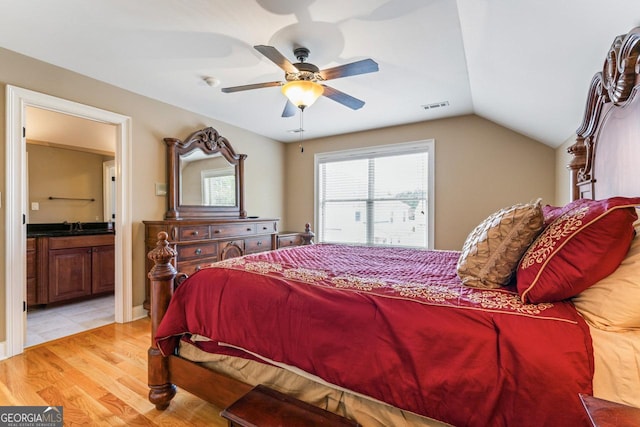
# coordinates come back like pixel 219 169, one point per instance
pixel 302 93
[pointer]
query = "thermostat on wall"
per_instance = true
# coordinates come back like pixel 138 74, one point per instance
pixel 161 189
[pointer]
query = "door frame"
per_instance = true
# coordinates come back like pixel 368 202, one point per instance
pixel 17 99
pixel 108 196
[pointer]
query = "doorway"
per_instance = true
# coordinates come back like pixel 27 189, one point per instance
pixel 18 99
pixel 71 178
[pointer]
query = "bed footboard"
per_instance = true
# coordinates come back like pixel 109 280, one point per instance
pixel 165 372
pixel 162 276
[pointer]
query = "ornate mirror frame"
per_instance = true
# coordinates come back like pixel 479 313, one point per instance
pixel 209 141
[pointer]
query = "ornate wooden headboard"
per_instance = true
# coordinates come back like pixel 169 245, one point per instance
pixel 606 155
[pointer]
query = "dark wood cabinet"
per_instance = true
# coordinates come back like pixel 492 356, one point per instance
pixel 295 238
pixel 32 278
pixel 201 242
pixel 290 238
pixel 70 267
pixel 80 266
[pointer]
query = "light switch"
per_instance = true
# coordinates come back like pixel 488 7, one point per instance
pixel 35 206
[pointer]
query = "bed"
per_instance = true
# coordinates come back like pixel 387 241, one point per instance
pixel 510 330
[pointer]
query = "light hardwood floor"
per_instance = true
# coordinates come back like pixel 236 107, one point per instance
pixel 99 377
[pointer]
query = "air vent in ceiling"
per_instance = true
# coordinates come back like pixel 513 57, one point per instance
pixel 435 105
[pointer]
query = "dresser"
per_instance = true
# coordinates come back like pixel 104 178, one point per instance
pixel 201 242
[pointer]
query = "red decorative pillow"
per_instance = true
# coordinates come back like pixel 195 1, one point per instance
pixel 551 213
pixel 586 242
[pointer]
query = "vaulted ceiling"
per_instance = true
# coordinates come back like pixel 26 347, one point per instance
pixel 524 64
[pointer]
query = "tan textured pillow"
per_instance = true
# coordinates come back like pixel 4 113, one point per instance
pixel 492 251
pixel 613 303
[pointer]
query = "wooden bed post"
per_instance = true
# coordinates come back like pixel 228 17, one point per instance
pixel 577 164
pixel 162 276
pixel 308 235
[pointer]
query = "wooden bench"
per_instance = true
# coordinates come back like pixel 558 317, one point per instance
pixel 265 407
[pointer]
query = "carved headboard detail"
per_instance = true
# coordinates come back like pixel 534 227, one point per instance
pixel 608 115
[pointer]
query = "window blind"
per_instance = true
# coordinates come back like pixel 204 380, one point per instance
pixel 375 196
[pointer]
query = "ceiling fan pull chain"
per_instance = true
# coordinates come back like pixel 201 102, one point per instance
pixel 301 130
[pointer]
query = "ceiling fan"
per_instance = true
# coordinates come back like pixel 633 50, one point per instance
pixel 303 71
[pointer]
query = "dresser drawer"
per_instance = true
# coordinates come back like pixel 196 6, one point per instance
pixel 199 232
pixel 257 244
pixel 197 250
pixel 190 267
pixel 266 227
pixel 233 230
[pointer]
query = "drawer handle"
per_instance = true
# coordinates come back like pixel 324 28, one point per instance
pixel 198 251
pixel 265 228
pixel 259 243
pixel 216 231
pixel 194 233
pixel 248 228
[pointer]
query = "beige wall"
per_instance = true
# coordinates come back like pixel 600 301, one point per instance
pixel 480 167
pixel 151 121
pixel 60 172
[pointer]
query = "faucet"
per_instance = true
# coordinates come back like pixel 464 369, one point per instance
pixel 74 226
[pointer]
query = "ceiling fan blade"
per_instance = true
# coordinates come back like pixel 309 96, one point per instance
pixel 276 57
pixel 249 87
pixel 289 109
pixel 342 98
pixel 352 69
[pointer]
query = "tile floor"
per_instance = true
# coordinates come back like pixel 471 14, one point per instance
pixel 47 324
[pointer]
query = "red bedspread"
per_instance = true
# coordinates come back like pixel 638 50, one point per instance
pixel 397 325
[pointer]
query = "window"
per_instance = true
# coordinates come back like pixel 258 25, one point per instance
pixel 219 187
pixel 376 196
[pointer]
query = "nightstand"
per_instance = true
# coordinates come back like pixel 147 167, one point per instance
pixel 603 413
pixel 295 238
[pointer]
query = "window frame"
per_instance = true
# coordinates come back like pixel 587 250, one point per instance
pixel 427 145
pixel 215 173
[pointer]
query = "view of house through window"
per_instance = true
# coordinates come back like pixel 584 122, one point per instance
pixel 375 196
pixel 219 187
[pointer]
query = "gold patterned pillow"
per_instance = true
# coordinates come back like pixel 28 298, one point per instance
pixel 492 251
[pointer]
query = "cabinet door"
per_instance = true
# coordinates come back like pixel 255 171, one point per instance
pixel 231 249
pixel 69 273
pixel 103 269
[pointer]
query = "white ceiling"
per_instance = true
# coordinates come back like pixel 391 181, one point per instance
pixel 524 64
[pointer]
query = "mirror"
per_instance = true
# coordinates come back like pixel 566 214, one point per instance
pixel 207 180
pixel 205 177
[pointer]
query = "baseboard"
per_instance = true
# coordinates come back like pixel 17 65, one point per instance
pixel 139 312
